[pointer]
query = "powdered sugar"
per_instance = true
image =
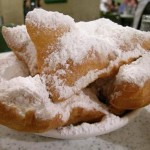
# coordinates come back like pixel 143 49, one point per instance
pixel 75 45
pixel 8 63
pixel 19 40
pixel 137 72
pixel 123 36
pixel 46 19
pixel 85 128
pixel 16 40
pixel 22 94
pixel 108 124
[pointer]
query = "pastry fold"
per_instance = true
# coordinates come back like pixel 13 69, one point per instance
pixel 130 89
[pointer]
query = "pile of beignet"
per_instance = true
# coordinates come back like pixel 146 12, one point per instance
pixel 78 72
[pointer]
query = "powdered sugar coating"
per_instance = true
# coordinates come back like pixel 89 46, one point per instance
pixel 48 19
pixel 85 128
pixel 18 38
pixel 8 61
pixel 137 72
pixel 120 35
pixel 75 45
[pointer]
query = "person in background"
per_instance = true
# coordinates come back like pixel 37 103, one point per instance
pixel 123 7
pixel 112 6
pixel 105 6
pixel 29 5
pixel 26 6
pixel 128 7
pixel 131 7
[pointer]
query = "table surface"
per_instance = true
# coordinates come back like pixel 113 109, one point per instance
pixel 134 136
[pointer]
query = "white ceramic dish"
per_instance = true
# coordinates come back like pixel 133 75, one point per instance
pixel 85 130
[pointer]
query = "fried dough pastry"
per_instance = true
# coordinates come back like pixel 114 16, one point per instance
pixel 19 41
pixel 25 106
pixel 70 58
pixel 8 62
pixel 130 89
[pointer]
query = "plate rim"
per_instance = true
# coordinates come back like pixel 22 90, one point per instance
pixel 56 133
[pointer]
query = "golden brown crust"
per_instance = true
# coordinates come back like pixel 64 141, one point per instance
pixel 29 123
pixel 11 118
pixel 87 116
pixel 126 95
pixel 132 96
pixel 116 111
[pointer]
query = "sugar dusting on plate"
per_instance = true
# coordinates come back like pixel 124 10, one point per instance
pixel 85 128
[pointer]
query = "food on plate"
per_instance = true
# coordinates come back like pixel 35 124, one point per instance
pixel 78 72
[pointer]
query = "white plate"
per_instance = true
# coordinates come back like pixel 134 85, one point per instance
pixel 108 124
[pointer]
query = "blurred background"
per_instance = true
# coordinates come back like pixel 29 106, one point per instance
pixel 124 12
